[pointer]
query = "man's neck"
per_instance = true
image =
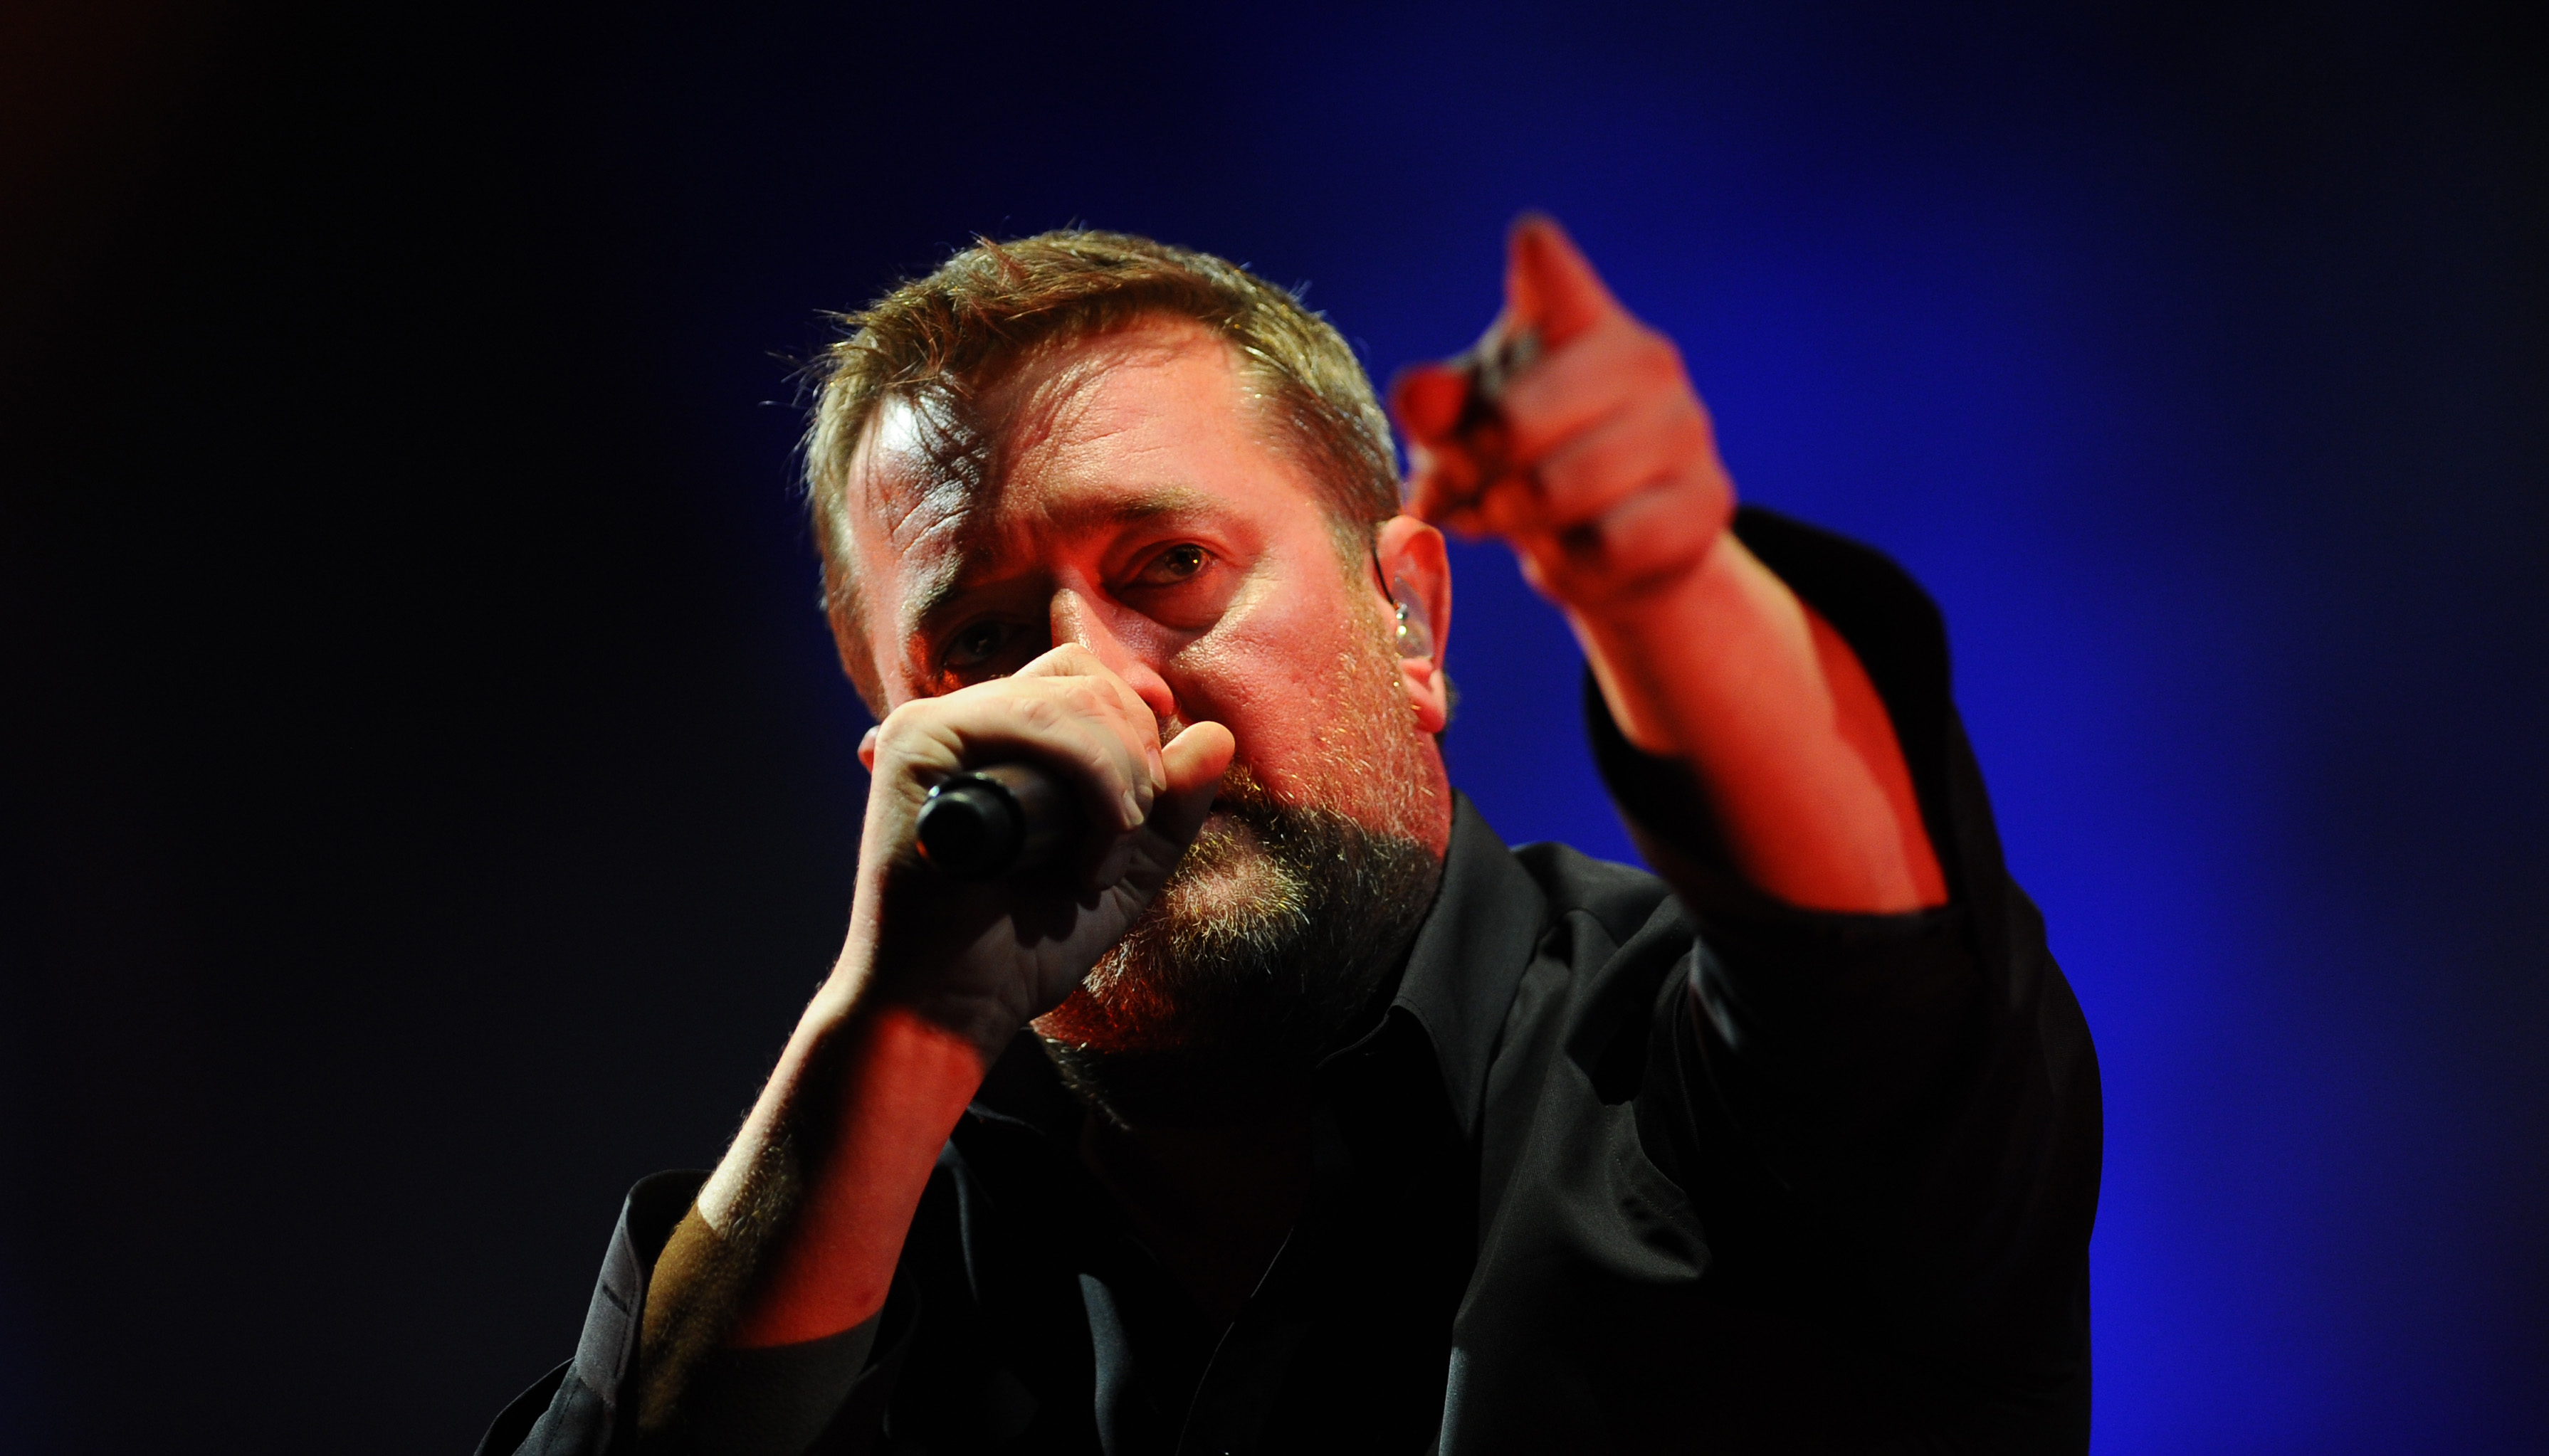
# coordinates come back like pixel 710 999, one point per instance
pixel 1214 1202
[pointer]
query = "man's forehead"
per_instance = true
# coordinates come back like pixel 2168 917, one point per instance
pixel 920 466
pixel 1099 434
pixel 939 450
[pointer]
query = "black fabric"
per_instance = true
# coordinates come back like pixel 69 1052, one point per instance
pixel 1602 1174
pixel 776 1401
pixel 579 1405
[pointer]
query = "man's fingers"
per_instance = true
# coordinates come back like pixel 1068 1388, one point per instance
pixel 1549 285
pixel 1068 710
pixel 1427 399
pixel 1073 724
pixel 1553 293
pixel 1659 438
pixel 1442 485
pixel 1597 458
pixel 1074 731
pixel 1134 716
pixel 1196 758
pixel 1510 507
pixel 1143 862
pixel 1070 660
pixel 1615 367
pixel 1652 536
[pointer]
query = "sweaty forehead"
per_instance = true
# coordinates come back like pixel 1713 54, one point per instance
pixel 916 488
pixel 1151 420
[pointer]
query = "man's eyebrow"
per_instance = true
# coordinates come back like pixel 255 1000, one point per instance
pixel 1146 504
pixel 1157 503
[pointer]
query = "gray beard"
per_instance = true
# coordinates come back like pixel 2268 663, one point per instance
pixel 1265 948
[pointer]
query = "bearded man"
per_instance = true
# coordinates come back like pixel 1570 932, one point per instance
pixel 1290 1110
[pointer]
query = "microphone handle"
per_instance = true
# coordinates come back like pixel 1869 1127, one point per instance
pixel 989 821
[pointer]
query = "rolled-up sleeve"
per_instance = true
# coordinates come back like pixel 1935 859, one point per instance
pixel 824 1395
pixel 1889 1123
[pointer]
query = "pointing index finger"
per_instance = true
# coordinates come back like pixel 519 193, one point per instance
pixel 1549 285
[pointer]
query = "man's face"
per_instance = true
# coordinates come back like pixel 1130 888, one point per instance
pixel 1134 505
pixel 1129 501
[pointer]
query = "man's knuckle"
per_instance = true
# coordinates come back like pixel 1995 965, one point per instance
pixel 1562 475
pixel 899 726
pixel 1656 356
pixel 1689 426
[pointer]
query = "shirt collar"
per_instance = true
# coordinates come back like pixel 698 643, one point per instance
pixel 1469 958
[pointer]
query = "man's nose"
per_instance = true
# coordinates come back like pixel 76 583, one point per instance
pixel 1085 622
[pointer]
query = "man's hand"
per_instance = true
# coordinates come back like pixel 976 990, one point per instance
pixel 1604 477
pixel 1612 485
pixel 796 1234
pixel 981 958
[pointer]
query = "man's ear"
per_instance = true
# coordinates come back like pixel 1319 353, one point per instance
pixel 1417 575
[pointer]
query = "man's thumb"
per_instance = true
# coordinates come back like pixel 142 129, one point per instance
pixel 1195 759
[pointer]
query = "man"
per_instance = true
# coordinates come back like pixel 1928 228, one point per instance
pixel 1291 1110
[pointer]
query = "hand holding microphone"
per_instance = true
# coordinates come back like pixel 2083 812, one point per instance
pixel 985 822
pixel 1058 764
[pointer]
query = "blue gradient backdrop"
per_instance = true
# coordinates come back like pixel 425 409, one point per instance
pixel 2195 363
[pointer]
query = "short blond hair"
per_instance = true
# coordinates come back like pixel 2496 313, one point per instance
pixel 938 340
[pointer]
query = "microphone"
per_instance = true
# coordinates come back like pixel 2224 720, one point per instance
pixel 985 823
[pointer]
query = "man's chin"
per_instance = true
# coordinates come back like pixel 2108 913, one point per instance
pixel 1225 875
pixel 1267 941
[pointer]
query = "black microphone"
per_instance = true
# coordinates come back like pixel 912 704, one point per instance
pixel 983 824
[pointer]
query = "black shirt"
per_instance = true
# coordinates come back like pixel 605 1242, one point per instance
pixel 1622 1166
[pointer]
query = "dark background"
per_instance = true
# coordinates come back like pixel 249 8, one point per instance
pixel 430 795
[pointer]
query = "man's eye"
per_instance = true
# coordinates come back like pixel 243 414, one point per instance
pixel 1175 565
pixel 976 644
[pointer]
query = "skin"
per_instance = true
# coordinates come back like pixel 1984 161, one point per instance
pixel 1619 516
pixel 1154 589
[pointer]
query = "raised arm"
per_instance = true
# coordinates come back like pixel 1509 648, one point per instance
pixel 795 1238
pixel 1888 1122
pixel 1618 507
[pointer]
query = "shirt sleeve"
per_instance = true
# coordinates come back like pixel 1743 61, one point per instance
pixel 824 1396
pixel 1889 1123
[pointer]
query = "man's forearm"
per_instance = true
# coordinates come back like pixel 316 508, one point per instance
pixel 902 1085
pixel 797 1234
pixel 1727 670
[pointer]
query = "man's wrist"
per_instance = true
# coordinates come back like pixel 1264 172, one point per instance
pixel 988 1023
pixel 1679 626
